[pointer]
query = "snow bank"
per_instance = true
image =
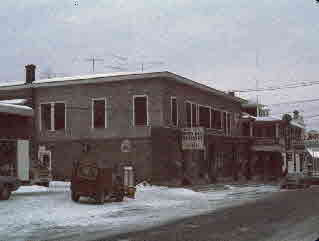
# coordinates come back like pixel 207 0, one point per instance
pixel 37 213
pixel 34 212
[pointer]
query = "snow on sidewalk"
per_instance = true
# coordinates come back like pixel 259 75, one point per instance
pixel 33 211
pixel 38 213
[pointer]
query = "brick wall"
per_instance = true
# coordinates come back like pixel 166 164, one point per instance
pixel 119 97
pixel 63 153
pixel 185 93
pixel 166 154
pixel 15 127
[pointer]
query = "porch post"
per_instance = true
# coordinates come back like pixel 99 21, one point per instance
pixel 251 128
pixel 277 130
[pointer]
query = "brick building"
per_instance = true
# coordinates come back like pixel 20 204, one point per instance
pixel 91 116
pixel 278 143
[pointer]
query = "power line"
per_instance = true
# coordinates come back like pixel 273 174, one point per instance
pixel 295 102
pixel 272 88
pixel 115 67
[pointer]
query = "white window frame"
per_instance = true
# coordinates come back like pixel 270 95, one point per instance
pixel 189 102
pixel 228 130
pixel 174 98
pixel 105 112
pixel 224 122
pixel 52 103
pixel 197 112
pixel 147 112
pixel 42 153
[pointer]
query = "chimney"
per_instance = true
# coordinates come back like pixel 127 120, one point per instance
pixel 232 93
pixel 29 73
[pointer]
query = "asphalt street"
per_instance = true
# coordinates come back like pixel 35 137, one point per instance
pixel 290 215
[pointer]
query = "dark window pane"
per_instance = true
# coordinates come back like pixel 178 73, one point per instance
pixel 194 114
pixel 174 111
pixel 217 119
pixel 225 122
pixel 228 123
pixel 140 110
pixel 188 114
pixel 59 116
pixel 212 116
pixel 99 113
pixel 204 116
pixel 46 116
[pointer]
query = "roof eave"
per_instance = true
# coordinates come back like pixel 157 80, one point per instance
pixel 101 79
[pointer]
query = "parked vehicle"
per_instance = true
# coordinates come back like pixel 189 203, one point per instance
pixel 296 181
pixel 17 169
pixel 97 180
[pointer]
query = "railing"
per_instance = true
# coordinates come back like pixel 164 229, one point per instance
pixel 266 141
pixel 298 142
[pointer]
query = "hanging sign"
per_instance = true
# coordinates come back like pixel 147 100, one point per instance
pixel 193 138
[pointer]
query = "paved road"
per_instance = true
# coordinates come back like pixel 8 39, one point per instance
pixel 291 215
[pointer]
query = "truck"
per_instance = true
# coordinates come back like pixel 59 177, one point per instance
pixel 97 180
pixel 18 169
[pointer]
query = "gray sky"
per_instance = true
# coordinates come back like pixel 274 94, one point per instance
pixel 215 42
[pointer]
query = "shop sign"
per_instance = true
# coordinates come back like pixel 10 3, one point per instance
pixel 193 138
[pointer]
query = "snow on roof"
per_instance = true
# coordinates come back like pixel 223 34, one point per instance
pixel 267 118
pixel 313 153
pixel 116 76
pixel 14 101
pixel 91 76
pixel 247 116
pixel 252 102
pixel 16 109
pixel 294 123
pixel 11 83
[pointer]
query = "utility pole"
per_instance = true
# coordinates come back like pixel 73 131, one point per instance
pixel 93 59
pixel 256 63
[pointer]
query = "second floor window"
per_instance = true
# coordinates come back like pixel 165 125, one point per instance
pixel 140 111
pixel 204 116
pixel 228 124
pixel 99 113
pixel 225 122
pixel 53 116
pixel 194 115
pixel 174 115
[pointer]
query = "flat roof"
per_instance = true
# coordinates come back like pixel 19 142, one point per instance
pixel 114 77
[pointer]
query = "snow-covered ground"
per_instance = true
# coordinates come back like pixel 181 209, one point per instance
pixel 39 213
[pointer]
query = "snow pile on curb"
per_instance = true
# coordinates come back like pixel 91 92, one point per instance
pixel 34 212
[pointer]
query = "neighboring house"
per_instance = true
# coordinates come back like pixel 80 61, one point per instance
pixel 92 116
pixel 277 146
pixel 313 161
pixel 15 121
pixel 312 135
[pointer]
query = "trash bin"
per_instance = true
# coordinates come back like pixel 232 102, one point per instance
pixel 131 192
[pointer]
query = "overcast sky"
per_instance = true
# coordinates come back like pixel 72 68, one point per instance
pixel 226 44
